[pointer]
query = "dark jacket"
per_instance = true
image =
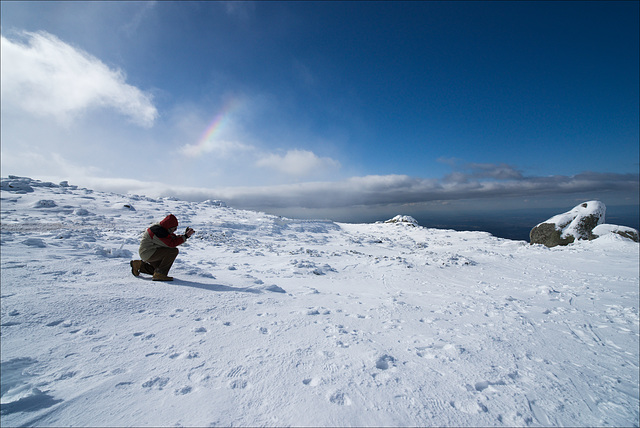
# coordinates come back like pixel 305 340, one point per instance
pixel 158 236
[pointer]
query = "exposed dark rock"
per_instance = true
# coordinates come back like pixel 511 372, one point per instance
pixel 547 234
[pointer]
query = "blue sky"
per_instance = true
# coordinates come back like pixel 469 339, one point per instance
pixel 327 108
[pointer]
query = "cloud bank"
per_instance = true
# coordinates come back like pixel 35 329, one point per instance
pixel 47 77
pixel 381 190
pixel 376 190
pixel 222 149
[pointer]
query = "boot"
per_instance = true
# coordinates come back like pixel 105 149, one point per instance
pixel 135 267
pixel 161 277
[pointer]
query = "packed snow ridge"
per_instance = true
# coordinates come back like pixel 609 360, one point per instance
pixel 276 321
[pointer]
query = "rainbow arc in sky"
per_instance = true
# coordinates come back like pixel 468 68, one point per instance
pixel 215 126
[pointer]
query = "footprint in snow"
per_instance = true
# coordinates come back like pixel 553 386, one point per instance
pixel 188 355
pixel 340 398
pixel 384 362
pixel 156 383
pixel 237 372
pixel 481 386
pixel 470 407
pixel 183 391
pixel 238 384
pixel 318 311
pixel 311 381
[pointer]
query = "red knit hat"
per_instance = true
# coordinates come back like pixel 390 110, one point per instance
pixel 169 221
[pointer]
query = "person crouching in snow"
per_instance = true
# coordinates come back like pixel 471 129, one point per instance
pixel 158 249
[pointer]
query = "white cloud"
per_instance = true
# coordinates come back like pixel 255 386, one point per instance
pixel 298 163
pixel 221 148
pixel 48 77
pixel 48 166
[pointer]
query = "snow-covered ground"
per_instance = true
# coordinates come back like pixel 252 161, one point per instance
pixel 277 322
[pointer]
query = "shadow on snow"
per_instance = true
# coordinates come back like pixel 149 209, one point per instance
pixel 214 287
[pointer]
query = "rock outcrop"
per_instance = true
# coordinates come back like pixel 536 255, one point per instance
pixel 563 229
pixel 584 222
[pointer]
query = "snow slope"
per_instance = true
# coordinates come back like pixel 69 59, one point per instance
pixel 278 322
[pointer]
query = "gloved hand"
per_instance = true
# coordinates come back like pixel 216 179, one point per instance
pixel 189 232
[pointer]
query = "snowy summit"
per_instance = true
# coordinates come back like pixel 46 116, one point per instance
pixel 280 322
pixel 403 219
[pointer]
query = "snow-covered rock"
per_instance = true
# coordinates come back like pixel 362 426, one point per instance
pixel 403 219
pixel 23 185
pixel 624 231
pixel 16 184
pixel 577 224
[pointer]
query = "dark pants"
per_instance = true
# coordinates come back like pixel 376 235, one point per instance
pixel 161 261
